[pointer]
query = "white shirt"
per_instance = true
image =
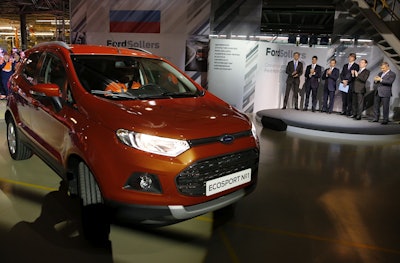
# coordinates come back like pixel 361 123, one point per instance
pixel 384 73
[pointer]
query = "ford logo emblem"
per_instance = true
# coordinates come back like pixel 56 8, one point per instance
pixel 226 139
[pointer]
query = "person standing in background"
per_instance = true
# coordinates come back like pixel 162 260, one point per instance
pixel 7 66
pixel 312 75
pixel 383 92
pixel 294 69
pixel 2 91
pixel 347 79
pixel 360 79
pixel 330 76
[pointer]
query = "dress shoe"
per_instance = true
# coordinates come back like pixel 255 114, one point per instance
pixel 305 109
pixel 313 110
pixel 384 122
pixel 374 120
pixel 284 108
pixel 353 116
pixel 343 113
pixel 357 118
pixel 296 108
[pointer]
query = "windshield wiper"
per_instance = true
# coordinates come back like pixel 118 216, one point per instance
pixel 111 94
pixel 168 95
pixel 180 94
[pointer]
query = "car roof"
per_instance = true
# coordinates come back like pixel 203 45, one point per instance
pixel 96 49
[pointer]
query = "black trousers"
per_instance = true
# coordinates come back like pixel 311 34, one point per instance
pixel 331 96
pixel 347 99
pixel 358 104
pixel 313 92
pixel 385 101
pixel 292 84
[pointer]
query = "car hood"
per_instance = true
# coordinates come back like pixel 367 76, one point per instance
pixel 181 118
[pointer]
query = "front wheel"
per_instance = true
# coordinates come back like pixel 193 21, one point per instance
pixel 17 149
pixel 88 189
pixel 95 215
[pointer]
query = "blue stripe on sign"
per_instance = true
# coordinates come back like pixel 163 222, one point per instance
pixel 135 15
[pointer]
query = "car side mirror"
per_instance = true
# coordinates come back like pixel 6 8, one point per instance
pixel 45 90
pixel 48 90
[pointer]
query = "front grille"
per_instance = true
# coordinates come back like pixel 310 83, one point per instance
pixel 192 181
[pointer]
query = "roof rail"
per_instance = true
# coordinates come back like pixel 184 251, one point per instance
pixel 140 49
pixel 59 43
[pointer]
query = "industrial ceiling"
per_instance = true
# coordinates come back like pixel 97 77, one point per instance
pixel 45 20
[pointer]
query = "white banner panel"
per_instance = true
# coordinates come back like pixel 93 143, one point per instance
pixel 228 69
pixel 250 75
pixel 271 75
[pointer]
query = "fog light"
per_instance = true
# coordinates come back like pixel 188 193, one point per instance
pixel 143 182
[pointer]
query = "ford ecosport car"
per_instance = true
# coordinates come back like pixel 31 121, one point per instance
pixel 129 130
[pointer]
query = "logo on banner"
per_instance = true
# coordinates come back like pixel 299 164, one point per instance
pixel 134 44
pixel 288 53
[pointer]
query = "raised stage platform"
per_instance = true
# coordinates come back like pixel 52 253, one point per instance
pixel 327 125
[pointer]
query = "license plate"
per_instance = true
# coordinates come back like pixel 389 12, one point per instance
pixel 226 182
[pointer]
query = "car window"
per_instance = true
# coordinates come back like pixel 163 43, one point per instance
pixel 126 77
pixel 53 71
pixel 30 66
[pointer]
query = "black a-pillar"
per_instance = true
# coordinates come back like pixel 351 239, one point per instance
pixel 24 37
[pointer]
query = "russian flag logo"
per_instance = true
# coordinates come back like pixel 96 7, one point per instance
pixel 135 21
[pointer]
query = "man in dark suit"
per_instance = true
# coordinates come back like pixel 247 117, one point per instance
pixel 347 79
pixel 383 92
pixel 313 74
pixel 294 69
pixel 360 79
pixel 330 76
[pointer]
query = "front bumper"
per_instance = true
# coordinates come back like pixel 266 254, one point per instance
pixel 164 215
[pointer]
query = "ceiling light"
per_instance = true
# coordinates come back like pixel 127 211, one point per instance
pixel 7 28
pixel 43 34
pixel 53 21
pixel 7 34
pixel 364 40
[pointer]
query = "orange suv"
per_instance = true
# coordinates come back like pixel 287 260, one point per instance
pixel 127 129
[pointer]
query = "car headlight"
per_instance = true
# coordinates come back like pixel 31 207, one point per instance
pixel 153 144
pixel 254 131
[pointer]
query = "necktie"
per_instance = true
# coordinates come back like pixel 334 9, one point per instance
pixel 295 65
pixel 349 66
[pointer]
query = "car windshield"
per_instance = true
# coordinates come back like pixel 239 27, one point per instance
pixel 126 77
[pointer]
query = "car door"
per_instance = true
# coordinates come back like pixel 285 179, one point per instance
pixel 48 118
pixel 25 78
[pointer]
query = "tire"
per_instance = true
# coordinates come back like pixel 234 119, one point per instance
pixel 17 149
pixel 88 190
pixel 95 215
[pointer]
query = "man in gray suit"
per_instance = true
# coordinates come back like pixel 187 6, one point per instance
pixel 383 92
pixel 360 78
pixel 294 69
